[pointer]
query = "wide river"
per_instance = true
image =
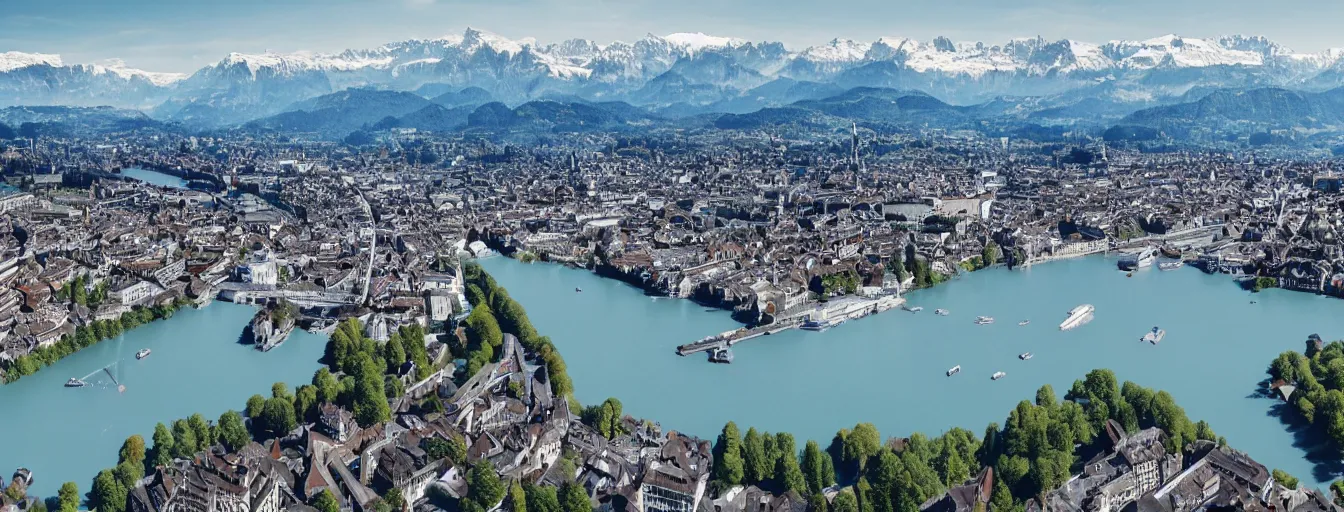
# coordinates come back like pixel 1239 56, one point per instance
pixel 196 366
pixel 889 369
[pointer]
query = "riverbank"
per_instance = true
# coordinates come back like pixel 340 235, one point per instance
pixel 85 336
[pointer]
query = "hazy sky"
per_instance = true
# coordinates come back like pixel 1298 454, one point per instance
pixel 183 35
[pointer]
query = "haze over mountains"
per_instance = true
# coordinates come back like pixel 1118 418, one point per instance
pixel 442 81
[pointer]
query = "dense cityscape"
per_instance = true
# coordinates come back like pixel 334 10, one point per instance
pixel 358 198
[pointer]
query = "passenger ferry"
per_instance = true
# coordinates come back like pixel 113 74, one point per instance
pixel 941 312
pixel 954 370
pixel 984 320
pixel 143 353
pixel 997 376
pixel 74 383
pixel 1026 356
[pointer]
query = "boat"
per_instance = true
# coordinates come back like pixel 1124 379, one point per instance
pixel 143 353
pixel 1024 322
pixel 983 320
pixel 819 325
pixel 74 383
pixel 1154 336
pixel 997 376
pixel 1137 260
pixel 1167 266
pixel 1079 315
pixel 721 355
pixel 941 312
pixel 1026 356
pixel 953 370
pixel 917 309
pixel 578 290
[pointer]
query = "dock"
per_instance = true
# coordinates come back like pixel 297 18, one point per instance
pixel 846 308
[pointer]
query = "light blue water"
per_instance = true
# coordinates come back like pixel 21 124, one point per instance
pixel 69 434
pixel 154 177
pixel 889 369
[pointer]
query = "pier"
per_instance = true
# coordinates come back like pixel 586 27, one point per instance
pixel 842 308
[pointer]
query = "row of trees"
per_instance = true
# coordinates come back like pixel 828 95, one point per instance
pixel 493 313
pixel 1036 450
pixel 184 439
pixel 370 373
pixel 86 336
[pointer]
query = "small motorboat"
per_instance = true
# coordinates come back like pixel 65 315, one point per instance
pixel 953 370
pixel 74 383
pixel 1026 356
pixel 916 309
pixel 997 376
pixel 984 320
pixel 1024 322
pixel 143 353
pixel 941 312
pixel 578 290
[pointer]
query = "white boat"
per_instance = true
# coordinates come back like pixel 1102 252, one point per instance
pixel 1170 265
pixel 917 309
pixel 1024 322
pixel 143 353
pixel 953 370
pixel 1154 336
pixel 984 320
pixel 997 376
pixel 941 312
pixel 1026 356
pixel 721 355
pixel 1079 315
pixel 74 383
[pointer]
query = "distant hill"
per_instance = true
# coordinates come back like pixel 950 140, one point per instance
pixel 341 112
pixel 1254 109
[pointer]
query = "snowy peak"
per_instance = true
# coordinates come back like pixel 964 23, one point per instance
pixel 10 61
pixel 698 41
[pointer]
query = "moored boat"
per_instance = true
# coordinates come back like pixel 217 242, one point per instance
pixel 721 355
pixel 1170 265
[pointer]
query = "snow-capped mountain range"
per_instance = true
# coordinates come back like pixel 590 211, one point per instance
pixel 678 69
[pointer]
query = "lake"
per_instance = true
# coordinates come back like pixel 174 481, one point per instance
pixel 888 369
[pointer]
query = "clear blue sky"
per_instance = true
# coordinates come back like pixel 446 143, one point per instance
pixel 183 35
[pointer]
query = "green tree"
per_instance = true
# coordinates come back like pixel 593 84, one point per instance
pixel 787 472
pixel 1285 479
pixel 574 499
pixel 845 502
pixel 757 467
pixel 395 499
pixel 542 499
pixel 605 418
pixel 728 466
pixel 394 353
pixel 861 444
pixel 68 497
pixel 484 486
pixel 281 390
pixel 370 398
pixel 185 444
pixel 325 502
pixel 204 436
pixel 990 254
pixel 1002 499
pixel 163 445
pixel 109 493
pixel 517 498
pixel 817 468
pixel 232 431
pixel 254 406
pixel 454 449
pixel 305 403
pixel 277 417
pixel 482 329
pixel 133 451
pixel 328 389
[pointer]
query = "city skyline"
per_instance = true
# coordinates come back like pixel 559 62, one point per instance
pixel 161 36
